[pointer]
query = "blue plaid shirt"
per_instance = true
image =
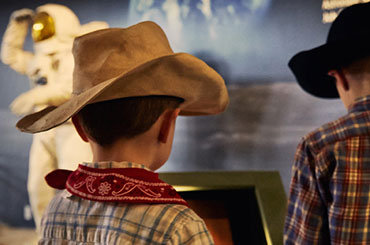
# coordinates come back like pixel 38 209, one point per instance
pixel 329 198
pixel 73 220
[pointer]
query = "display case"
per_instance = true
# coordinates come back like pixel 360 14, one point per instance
pixel 244 207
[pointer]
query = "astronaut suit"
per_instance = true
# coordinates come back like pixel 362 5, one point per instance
pixel 49 69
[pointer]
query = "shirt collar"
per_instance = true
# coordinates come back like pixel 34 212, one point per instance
pixel 361 104
pixel 112 164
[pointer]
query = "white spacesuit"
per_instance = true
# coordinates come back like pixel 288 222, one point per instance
pixel 49 69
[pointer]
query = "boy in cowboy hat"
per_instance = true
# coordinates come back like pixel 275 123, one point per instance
pixel 128 89
pixel 329 200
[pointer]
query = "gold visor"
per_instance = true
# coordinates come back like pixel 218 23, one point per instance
pixel 43 27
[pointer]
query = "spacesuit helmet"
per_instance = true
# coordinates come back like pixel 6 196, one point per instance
pixel 55 21
pixel 43 27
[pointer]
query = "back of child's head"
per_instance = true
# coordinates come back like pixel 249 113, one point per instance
pixel 359 69
pixel 106 122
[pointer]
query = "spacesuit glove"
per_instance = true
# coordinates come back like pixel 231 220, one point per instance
pixel 40 96
pixel 22 15
pixel 23 104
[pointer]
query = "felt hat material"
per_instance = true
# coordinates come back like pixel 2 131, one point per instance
pixel 129 62
pixel 348 40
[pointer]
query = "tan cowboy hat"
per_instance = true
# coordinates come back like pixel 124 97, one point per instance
pixel 136 61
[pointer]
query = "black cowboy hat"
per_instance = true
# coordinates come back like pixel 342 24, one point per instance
pixel 348 40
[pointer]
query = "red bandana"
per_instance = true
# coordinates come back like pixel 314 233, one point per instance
pixel 129 185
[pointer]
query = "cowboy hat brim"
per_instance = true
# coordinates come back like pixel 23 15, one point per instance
pixel 311 67
pixel 179 74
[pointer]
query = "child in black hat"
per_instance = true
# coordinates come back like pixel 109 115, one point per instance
pixel 329 200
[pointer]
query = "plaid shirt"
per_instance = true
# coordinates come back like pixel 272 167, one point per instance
pixel 329 198
pixel 73 220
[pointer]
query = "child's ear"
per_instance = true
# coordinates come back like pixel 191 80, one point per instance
pixel 169 119
pixel 79 129
pixel 340 78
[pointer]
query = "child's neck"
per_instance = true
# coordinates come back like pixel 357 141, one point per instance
pixel 127 150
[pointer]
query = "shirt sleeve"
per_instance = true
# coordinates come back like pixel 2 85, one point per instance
pixel 191 232
pixel 306 220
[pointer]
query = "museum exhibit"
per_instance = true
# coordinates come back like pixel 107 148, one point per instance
pixel 234 168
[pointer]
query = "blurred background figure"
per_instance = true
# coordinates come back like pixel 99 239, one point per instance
pixel 49 68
